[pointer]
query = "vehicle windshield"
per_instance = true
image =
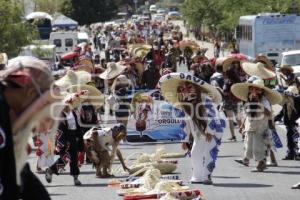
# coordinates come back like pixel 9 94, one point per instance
pixel 291 60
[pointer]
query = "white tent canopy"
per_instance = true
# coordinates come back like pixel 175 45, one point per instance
pixel 38 15
pixel 62 21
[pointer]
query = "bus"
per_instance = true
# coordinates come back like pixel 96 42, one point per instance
pixel 268 34
pixel 43 21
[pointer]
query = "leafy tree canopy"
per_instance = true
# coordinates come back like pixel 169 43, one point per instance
pixel 224 14
pixel 14 33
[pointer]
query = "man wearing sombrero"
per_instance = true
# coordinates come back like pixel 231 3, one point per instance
pixel 25 101
pixel 258 113
pixel 262 68
pixel 202 122
pixel 233 73
pixel 291 106
pixel 287 77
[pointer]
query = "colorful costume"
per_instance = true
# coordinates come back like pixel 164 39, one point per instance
pixel 204 154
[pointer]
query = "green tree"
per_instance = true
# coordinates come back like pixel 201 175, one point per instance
pixel 14 33
pixel 90 11
pixel 48 6
pixel 224 14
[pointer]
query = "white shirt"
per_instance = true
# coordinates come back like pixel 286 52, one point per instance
pixel 105 138
pixel 71 120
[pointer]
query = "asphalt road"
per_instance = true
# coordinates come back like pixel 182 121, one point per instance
pixel 231 180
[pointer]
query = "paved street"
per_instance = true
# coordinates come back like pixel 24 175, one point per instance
pixel 231 181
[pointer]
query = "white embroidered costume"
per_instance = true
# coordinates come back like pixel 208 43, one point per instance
pixel 204 154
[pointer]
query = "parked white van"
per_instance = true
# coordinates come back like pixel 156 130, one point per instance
pixel 64 41
pixel 153 8
pixel 83 37
pixel 291 58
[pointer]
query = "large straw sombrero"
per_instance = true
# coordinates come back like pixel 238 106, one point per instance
pixel 170 82
pixel 73 78
pixel 85 65
pixel 291 91
pixel 241 91
pixel 73 100
pixel 287 67
pixel 264 60
pixel 226 62
pixel 258 69
pixel 112 71
pixel 276 109
pixel 94 95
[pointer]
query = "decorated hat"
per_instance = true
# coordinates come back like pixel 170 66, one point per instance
pixel 241 91
pixel 73 100
pixel 170 82
pixel 258 69
pixel 25 70
pixel 112 71
pixel 94 95
pixel 226 62
pixel 73 78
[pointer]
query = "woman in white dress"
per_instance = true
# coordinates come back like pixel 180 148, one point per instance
pixel 203 122
pixel 45 147
pixel 44 151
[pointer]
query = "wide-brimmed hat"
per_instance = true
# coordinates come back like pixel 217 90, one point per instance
pixel 264 60
pixel 95 97
pixel 287 67
pixel 170 82
pixel 73 78
pixel 85 64
pixel 112 71
pixel 276 109
pixel 258 69
pixel 241 91
pixel 226 62
pixel 25 70
pixel 291 91
pixel 73 100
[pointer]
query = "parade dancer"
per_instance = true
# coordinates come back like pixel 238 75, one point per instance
pixel 97 142
pixel 203 122
pixel 69 140
pixel 258 113
pixel 290 116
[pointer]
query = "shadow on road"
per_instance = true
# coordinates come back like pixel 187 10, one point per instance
pixel 241 185
pixel 226 177
pixel 84 172
pixel 93 185
pixel 83 185
pixel 228 156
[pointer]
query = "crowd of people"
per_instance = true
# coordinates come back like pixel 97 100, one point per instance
pixel 125 58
